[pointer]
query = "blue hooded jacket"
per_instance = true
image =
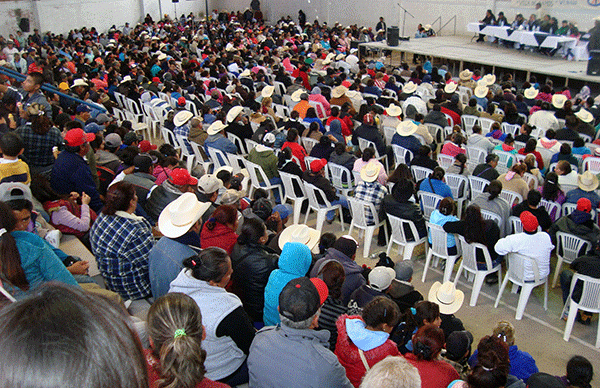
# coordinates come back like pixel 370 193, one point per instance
pixel 294 262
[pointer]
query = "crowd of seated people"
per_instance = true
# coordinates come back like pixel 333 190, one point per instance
pixel 167 227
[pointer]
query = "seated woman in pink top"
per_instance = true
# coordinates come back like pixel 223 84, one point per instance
pixel 454 148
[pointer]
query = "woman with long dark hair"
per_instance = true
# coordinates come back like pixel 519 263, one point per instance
pixel 490 200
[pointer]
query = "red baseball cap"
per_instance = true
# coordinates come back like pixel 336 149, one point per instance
pixel 317 165
pixel 156 80
pixel 146 146
pixel 181 177
pixel 181 101
pixel 76 137
pixel 322 289
pixel 529 221
pixel 584 205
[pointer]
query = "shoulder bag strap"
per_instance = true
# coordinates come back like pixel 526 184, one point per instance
pixel 363 359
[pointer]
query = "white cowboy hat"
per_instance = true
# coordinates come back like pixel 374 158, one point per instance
pixel 80 82
pixel 584 116
pixel 406 128
pixel 234 112
pixel 299 233
pixel 587 181
pixel 162 57
pixel 558 100
pixel 296 95
pixel 267 91
pixel 450 87
pixel 127 78
pixel 180 215
pixel 215 128
pixel 410 87
pixel 339 91
pixel 393 110
pixel 490 79
pixel 465 75
pixel 245 73
pixel 447 297
pixel 530 93
pixel 370 172
pixel 182 117
pixel 340 56
pixel 427 27
pixel 481 91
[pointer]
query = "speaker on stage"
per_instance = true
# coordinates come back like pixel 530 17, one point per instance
pixel 594 63
pixel 392 36
pixel 24 24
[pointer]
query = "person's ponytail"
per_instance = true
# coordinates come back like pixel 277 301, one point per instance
pixel 11 269
pixel 182 362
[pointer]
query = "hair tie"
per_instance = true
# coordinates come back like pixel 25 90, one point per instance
pixel 193 263
pixel 2 231
pixel 487 369
pixel 179 333
pixel 212 219
pixel 413 311
pixel 384 312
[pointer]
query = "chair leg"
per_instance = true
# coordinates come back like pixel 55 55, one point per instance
pixel 427 262
pixel 477 283
pixel 598 336
pixel 297 210
pixel 342 217
pixel 448 270
pixel 546 295
pixel 458 273
pixel 408 251
pixel 367 240
pixel 500 291
pixel 523 298
pixel 570 320
pixel 320 220
pixel 557 271
pixel 306 216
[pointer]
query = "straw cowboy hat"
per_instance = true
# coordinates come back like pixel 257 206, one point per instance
pixel 558 100
pixel 584 116
pixel 465 75
pixel 490 79
pixel 296 95
pixel 299 233
pixel 234 112
pixel 450 87
pixel 180 215
pixel 587 181
pixel 370 172
pixel 245 73
pixel 339 91
pixel 410 87
pixel 406 128
pixel 182 117
pixel 393 110
pixel 215 128
pixel 530 93
pixel 80 82
pixel 447 297
pixel 481 91
pixel 267 91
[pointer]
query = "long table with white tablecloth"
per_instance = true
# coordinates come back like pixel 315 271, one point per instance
pixel 527 38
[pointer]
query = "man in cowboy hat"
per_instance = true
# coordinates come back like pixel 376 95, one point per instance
pixel 587 183
pixel 404 136
pixel 179 182
pixel 371 191
pixel 180 223
pixel 450 301
pixel 216 139
pixel 238 124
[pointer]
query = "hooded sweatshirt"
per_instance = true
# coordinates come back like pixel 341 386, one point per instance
pixel 294 262
pixel 354 277
pixel 352 336
pixel 578 223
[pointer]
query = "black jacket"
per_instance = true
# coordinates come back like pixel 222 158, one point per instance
pixel 370 133
pixel 252 264
pixel 322 183
pixel 407 211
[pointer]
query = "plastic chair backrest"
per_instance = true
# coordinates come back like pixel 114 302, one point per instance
pixel 311 193
pixel 477 185
pixel 590 294
pixel 569 246
pixel 364 143
pixel 510 129
pixel 434 130
pixel 254 170
pixel 469 254
pixel 389 134
pixel 238 142
pixel 429 202
pixel 476 155
pixel 468 121
pixel 553 208
pixel 398 232
pixel 511 197
pixel 360 210
pixel 516 268
pixel 445 161
pixel 420 173
pixel 341 177
pixel 197 151
pixel 401 154
pixel 458 184
pixel 450 120
pixel 504 159
pixel 288 185
pixel 439 239
pixel 319 108
pixel 218 157
pixel 486 125
pixel 488 215
pixel 309 143
pixel 592 164
pixel 183 142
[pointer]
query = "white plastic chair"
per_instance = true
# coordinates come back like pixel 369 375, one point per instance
pixel 185 152
pixel 388 133
pixel 435 131
pixel 429 202
pixel 516 274
pixel 477 185
pixel 553 209
pixel 445 161
pixel 401 155
pixel 592 164
pixel 206 164
pixel 290 193
pixel 476 155
pixel 341 178
pixel 218 157
pixel 439 249
pixel 120 100
pixel 515 224
pixel 238 143
pixel 486 125
pixel 250 144
pixel 450 120
pixel 237 162
pixel 511 197
pixel 504 159
pixel 359 210
pixel 399 236
pixel 459 184
pixel 255 183
pixel 469 264
pixel 420 173
pixel 510 129
pixel 309 143
pixel 568 248
pixel 309 159
pixel 488 215
pixel 568 208
pixel 531 180
pixel 364 143
pixel 313 204
pixel 467 122
pixel 319 108
pixel 589 301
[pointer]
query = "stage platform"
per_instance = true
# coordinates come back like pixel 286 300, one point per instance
pixel 463 50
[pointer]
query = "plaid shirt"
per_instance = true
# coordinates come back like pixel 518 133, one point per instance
pixel 370 192
pixel 184 131
pixel 121 245
pixel 38 148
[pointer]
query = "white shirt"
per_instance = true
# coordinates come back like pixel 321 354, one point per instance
pixel 544 119
pixel 537 246
pixel 417 102
pixel 568 179
pixel 10 53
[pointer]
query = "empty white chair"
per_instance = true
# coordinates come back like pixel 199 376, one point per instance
pixel 288 186
pixel 469 264
pixel 459 184
pixel 439 249
pixel 360 210
pixel 592 164
pixel 399 236
pixel 313 204
pixel 477 185
pixel 341 178
pixel 420 173
pixel 445 161
pixel 568 248
pixel 429 202
pixel 589 301
pixel 254 170
pixel 516 274
pixel 401 155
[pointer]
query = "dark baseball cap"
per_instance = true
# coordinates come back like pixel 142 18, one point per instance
pixel 301 298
